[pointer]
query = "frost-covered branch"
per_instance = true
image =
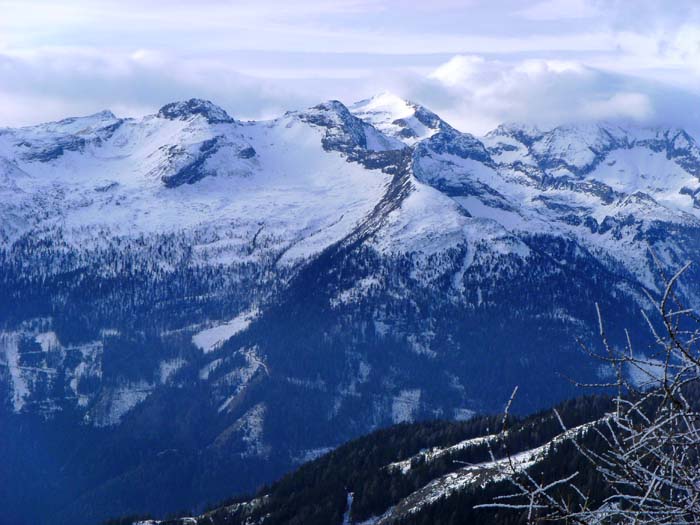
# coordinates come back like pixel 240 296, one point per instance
pixel 646 455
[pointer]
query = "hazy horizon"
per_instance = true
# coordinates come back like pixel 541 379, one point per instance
pixel 476 63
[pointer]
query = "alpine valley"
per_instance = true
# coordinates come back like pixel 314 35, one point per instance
pixel 192 305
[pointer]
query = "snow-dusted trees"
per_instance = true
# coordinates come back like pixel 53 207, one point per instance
pixel 646 456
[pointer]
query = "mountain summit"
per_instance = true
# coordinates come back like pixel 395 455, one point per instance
pixel 399 118
pixel 193 107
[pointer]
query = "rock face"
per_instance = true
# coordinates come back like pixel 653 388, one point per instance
pixel 194 107
pixel 193 297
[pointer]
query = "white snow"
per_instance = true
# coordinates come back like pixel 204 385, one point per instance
pixel 298 199
pixel 405 405
pixel 38 382
pixel 117 401
pixel 168 368
pixel 463 414
pixel 252 429
pixel 207 369
pixel 438 452
pixel 641 170
pixel 303 197
pixel 293 199
pixel 348 508
pixel 211 339
pixel 311 454
pixel 9 359
pixel 238 378
pixel 481 474
pixel 384 109
pixel 647 372
pixel 358 291
pixel 47 340
pixel 649 185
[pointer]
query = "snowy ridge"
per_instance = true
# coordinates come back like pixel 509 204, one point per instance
pixel 438 452
pixel 477 475
pixel 279 502
pixel 189 108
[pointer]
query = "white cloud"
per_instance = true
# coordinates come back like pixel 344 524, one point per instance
pixel 460 71
pixel 476 94
pixel 622 105
pixel 473 93
pixel 560 9
pixel 683 47
pixel 548 61
pixel 49 84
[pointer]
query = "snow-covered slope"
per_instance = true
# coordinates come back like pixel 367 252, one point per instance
pixel 186 170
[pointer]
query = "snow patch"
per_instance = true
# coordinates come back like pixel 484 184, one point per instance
pixel 213 338
pixel 405 405
pixel 311 454
pixel 47 340
pixel 479 474
pixel 251 425
pixel 207 369
pixel 434 453
pixel 647 373
pixel 240 377
pixel 9 355
pixel 115 402
pixel 166 369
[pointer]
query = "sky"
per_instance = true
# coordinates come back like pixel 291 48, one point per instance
pixel 477 63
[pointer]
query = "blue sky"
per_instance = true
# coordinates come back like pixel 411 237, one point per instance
pixel 477 63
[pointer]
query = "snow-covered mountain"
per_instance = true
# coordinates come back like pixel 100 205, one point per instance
pixel 285 285
pixel 395 117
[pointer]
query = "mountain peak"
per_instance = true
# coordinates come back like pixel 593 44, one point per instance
pixel 195 106
pixel 104 114
pixel 386 100
pixel 525 133
pixel 398 117
pixel 344 130
pixel 331 113
pixel 331 106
